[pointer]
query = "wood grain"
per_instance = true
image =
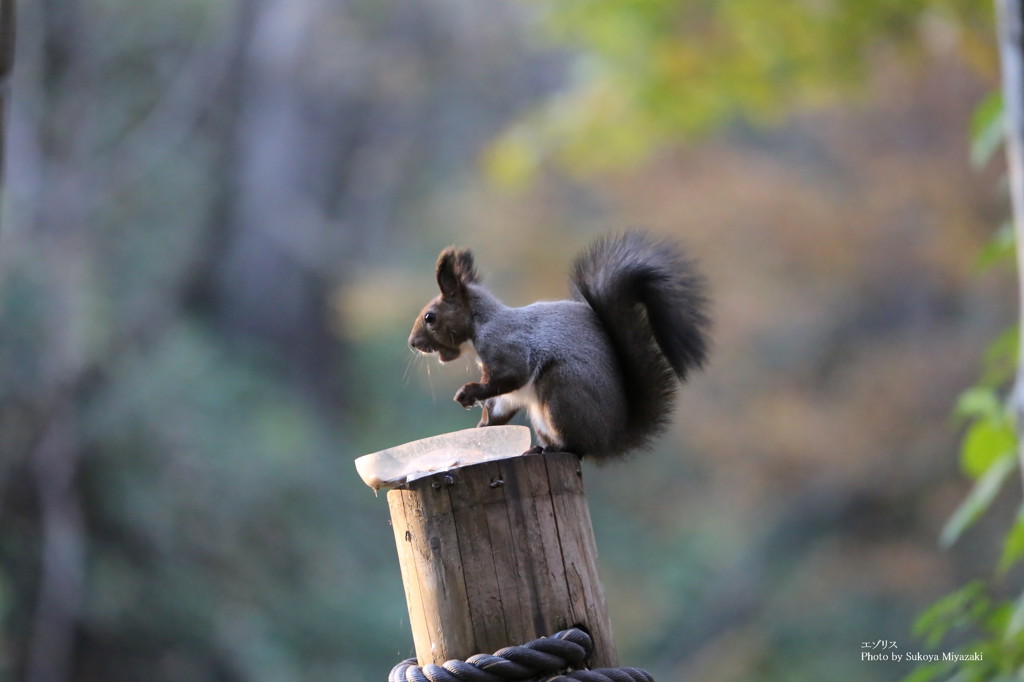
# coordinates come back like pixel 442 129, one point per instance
pixel 497 554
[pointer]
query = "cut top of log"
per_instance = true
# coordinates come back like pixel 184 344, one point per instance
pixel 416 459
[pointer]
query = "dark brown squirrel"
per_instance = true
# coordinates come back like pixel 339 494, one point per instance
pixel 597 374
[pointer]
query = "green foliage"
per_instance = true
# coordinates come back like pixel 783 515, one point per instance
pixel 227 522
pixel 1000 645
pixel 987 126
pixel 1000 249
pixel 989 454
pixel 999 639
pixel 956 609
pixel 980 498
pixel 989 437
pixel 226 536
pixel 1013 549
pixel 1000 360
pixel 649 72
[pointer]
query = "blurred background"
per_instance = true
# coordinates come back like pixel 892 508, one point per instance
pixel 220 219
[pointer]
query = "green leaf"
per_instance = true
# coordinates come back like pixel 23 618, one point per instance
pixel 987 441
pixel 996 619
pixel 980 402
pixel 987 129
pixel 1000 360
pixel 979 499
pixel 1015 625
pixel 948 612
pixel 1000 248
pixel 1013 547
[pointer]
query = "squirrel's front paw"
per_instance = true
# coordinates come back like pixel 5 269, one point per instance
pixel 467 395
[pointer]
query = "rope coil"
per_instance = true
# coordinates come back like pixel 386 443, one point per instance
pixel 547 659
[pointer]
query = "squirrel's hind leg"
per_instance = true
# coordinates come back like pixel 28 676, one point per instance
pixel 497 411
pixel 548 438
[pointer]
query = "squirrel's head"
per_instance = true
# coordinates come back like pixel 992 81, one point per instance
pixel 445 324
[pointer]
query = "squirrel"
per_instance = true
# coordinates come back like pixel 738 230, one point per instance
pixel 597 374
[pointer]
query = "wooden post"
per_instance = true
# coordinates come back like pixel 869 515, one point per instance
pixel 497 554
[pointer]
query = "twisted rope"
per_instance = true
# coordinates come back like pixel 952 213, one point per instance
pixel 548 659
pixel 603 675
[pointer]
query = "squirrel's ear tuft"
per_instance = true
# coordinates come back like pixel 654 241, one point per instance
pixel 455 269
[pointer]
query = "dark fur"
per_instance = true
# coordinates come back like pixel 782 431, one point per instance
pixel 598 374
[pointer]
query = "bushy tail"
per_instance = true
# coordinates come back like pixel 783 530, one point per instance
pixel 651 301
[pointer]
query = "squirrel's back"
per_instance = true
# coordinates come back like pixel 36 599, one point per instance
pixel 652 304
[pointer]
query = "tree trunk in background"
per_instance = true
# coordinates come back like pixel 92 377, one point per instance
pixel 49 164
pixel 6 65
pixel 1011 49
pixel 175 196
pixel 274 273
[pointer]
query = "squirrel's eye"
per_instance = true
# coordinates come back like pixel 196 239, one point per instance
pixel 430 318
